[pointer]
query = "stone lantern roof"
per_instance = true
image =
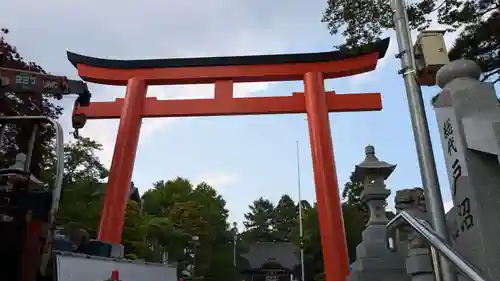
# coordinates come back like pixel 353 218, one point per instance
pixel 372 166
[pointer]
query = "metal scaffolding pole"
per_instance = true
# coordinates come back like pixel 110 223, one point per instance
pixel 301 227
pixel 421 134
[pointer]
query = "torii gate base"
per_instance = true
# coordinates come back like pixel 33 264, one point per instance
pixel 224 71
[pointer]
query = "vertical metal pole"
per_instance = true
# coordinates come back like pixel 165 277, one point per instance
pixel 421 133
pixel 3 128
pixel 31 147
pixel 234 251
pixel 235 241
pixel 436 265
pixel 301 227
pixel 194 261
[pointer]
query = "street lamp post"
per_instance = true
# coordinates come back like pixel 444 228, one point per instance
pixel 301 228
pixel 235 238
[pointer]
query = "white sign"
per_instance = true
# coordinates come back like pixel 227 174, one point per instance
pixel 271 278
pixel 452 141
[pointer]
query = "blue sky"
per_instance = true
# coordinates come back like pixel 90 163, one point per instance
pixel 243 157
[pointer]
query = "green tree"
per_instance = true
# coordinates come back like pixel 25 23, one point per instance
pixel 180 211
pixel 83 193
pixel 313 251
pixel 260 221
pixel 172 212
pixel 135 228
pixel 265 222
pixel 83 186
pixel 351 193
pixel 286 224
pixel 364 21
pixel 354 223
pixel 305 205
pixel 17 136
pixel 481 41
pixel 81 162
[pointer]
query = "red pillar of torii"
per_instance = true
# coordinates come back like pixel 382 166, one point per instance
pixel 312 68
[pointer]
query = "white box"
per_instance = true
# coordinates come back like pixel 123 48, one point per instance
pixel 430 51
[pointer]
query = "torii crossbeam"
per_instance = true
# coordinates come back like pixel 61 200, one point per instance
pixel 312 68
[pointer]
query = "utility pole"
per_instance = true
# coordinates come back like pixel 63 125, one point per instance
pixel 421 133
pixel 235 238
pixel 301 228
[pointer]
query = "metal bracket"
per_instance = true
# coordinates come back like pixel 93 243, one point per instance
pixel 400 54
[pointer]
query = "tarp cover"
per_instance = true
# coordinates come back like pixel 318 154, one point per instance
pixel 77 267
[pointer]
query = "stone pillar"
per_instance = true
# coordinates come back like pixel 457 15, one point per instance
pixel 469 122
pixel 374 261
pixel 418 260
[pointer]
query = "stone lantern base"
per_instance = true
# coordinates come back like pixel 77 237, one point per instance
pixel 375 262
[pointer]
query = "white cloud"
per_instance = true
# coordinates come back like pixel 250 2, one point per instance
pixel 249 89
pixel 218 179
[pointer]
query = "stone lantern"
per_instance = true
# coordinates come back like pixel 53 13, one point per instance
pixel 372 173
pixel 374 261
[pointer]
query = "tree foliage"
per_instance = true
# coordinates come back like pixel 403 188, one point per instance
pixel 179 211
pixel 259 222
pixel 478 21
pixel 17 136
pixel 287 219
pixel 481 42
pixel 161 226
pixel 313 252
pixel 268 222
pixel 351 193
pixel 81 162
pixel 83 186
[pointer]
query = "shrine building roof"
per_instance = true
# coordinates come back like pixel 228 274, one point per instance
pixel 283 253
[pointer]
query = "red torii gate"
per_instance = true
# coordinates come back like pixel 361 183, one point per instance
pixel 312 68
